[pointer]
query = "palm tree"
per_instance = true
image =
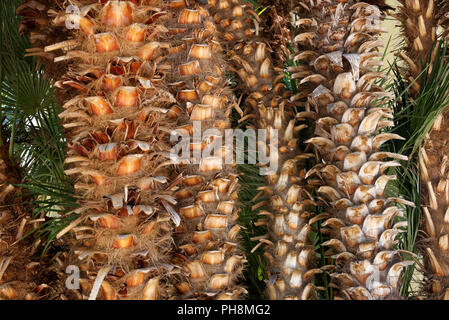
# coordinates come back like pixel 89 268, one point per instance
pixel 340 42
pixel 126 90
pixel 424 71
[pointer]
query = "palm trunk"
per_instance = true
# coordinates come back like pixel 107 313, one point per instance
pixel 208 237
pixel 419 23
pixel 287 247
pixel 117 124
pixel 435 189
pixel 338 51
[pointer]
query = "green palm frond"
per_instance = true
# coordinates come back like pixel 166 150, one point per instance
pixel 35 138
pixel 414 119
pixel 250 180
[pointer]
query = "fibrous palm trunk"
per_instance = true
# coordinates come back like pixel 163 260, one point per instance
pixel 118 122
pixel 238 28
pixel 144 69
pixel 288 214
pixel 337 51
pixel 291 254
pixel 208 236
pixel 419 22
pixel 435 188
pixel 268 103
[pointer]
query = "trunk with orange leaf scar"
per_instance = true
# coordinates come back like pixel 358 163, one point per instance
pixel 287 245
pixel 137 71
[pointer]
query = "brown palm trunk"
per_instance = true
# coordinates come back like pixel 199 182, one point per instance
pixel 421 22
pixel 435 227
pixel 137 71
pixel 117 120
pixel 337 47
pixel 268 106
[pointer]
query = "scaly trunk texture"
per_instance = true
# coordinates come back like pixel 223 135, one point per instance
pixel 118 124
pixel 338 47
pixel 19 274
pixel 290 252
pixel 14 256
pixel 143 69
pixel 435 190
pixel 419 22
pixel 279 20
pixel 268 104
pixel 208 236
pixel 238 27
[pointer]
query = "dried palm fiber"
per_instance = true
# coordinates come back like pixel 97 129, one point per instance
pixel 278 19
pixel 417 18
pixel 288 251
pixel 337 53
pixel 443 15
pixel 419 21
pixel 118 121
pixel 20 277
pixel 11 286
pixel 44 26
pixel 208 237
pixel 435 191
